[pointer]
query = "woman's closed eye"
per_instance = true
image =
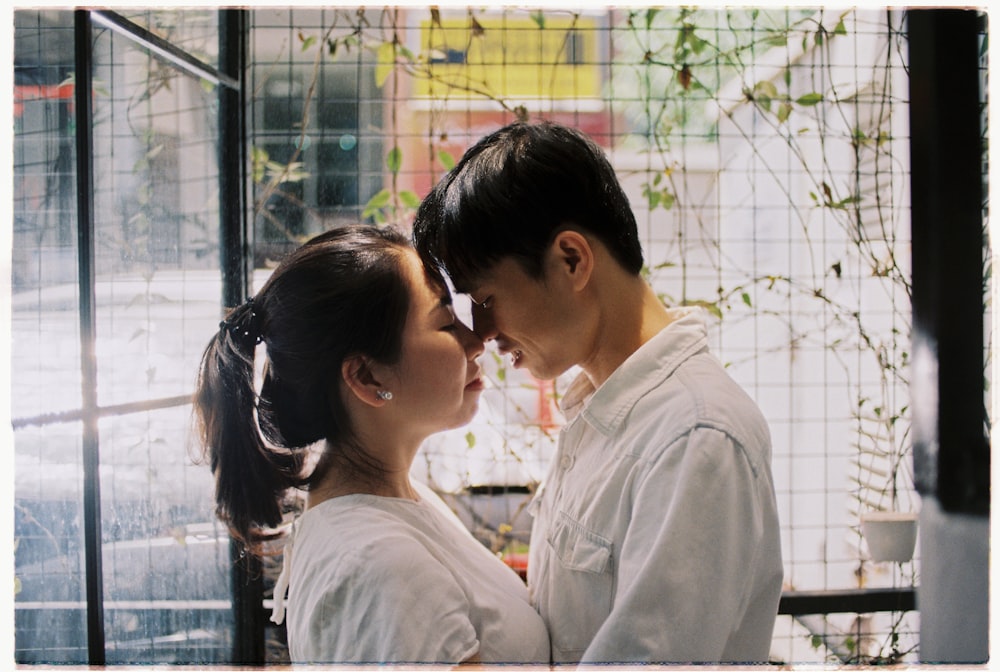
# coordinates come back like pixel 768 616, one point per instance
pixel 451 318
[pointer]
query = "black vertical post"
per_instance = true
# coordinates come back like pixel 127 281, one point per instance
pixel 234 251
pixel 951 447
pixel 88 330
pixel 234 242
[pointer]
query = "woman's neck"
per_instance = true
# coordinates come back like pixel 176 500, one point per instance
pixel 339 479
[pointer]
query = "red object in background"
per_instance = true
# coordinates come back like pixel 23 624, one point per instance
pixel 518 562
pixel 546 395
pixel 25 92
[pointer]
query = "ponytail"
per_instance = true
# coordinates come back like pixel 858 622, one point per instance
pixel 251 476
pixel 342 293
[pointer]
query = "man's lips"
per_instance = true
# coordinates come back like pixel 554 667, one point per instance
pixel 514 353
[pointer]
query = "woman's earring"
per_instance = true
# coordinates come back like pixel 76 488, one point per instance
pixel 384 395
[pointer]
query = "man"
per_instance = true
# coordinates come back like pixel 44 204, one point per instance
pixel 655 536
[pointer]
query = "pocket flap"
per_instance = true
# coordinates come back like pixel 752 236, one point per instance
pixel 578 548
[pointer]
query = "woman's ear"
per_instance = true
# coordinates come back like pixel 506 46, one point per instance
pixel 357 372
pixel 573 257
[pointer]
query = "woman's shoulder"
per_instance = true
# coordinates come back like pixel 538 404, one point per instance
pixel 356 532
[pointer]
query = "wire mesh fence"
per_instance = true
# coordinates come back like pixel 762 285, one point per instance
pixel 765 154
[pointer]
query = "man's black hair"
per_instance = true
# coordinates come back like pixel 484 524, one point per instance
pixel 512 192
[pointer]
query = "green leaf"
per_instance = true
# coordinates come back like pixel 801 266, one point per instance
pixel 501 374
pixel 654 199
pixel 809 99
pixel 308 42
pixel 697 44
pixel 385 61
pixel 840 29
pixel 746 299
pixel 379 200
pixel 650 15
pixel 784 110
pixel 539 19
pixel 394 159
pixel 258 161
pixel 777 40
pixel 710 306
pixel 470 439
pixel 409 199
pixel 766 88
pixel 446 159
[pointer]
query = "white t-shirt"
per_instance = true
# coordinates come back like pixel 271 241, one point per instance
pixel 656 533
pixel 386 580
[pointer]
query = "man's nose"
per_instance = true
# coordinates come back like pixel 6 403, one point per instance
pixel 482 323
pixel 473 344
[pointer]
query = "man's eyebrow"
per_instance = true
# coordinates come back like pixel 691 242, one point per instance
pixel 468 289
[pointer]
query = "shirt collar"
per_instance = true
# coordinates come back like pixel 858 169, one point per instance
pixel 606 407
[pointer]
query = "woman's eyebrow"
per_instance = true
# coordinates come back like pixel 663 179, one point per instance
pixel 445 302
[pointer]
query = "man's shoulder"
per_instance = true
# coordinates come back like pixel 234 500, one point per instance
pixel 699 393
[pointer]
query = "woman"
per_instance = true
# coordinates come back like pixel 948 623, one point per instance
pixel 363 357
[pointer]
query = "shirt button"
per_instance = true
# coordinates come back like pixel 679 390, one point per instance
pixel 566 462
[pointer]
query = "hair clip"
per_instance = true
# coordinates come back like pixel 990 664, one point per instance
pixel 245 328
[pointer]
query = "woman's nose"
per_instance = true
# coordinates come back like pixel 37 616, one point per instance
pixel 482 323
pixel 473 344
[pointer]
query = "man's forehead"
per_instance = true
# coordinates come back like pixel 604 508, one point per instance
pixel 473 284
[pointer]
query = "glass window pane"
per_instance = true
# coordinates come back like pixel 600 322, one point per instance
pixel 50 589
pixel 166 560
pixel 45 343
pixel 194 30
pixel 156 211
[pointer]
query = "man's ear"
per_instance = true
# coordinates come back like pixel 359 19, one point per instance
pixel 574 257
pixel 357 372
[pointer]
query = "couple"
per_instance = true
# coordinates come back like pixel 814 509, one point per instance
pixel 655 533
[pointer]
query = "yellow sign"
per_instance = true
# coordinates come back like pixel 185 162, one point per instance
pixel 510 57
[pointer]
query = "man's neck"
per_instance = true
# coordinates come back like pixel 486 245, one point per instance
pixel 631 315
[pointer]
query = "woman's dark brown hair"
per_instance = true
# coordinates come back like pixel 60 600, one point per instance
pixel 342 293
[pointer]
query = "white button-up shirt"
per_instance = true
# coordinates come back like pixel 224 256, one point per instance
pixel 656 533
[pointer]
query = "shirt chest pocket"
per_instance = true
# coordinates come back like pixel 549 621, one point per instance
pixel 583 586
pixel 578 548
